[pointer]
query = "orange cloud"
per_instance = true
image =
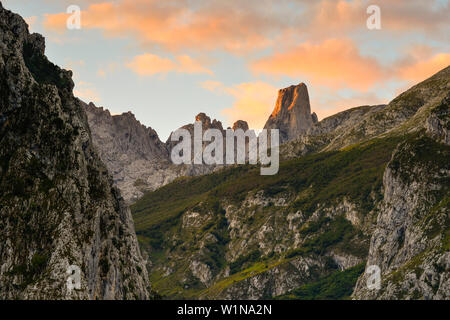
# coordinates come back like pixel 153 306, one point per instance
pixel 86 91
pixel 254 101
pixel 335 17
pixel 174 25
pixel 56 22
pixel 188 65
pixel 408 15
pixel 335 62
pixel 241 26
pixel 150 64
pixel 420 70
pixel 212 85
pixel 332 103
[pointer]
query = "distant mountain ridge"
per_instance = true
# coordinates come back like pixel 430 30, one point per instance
pixel 138 170
pixel 367 186
pixel 140 162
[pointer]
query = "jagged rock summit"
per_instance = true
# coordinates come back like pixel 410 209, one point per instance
pixel 133 153
pixel 309 232
pixel 138 160
pixel 124 134
pixel 240 124
pixel 292 113
pixel 58 206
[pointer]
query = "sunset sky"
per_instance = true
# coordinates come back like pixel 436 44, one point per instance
pixel 166 61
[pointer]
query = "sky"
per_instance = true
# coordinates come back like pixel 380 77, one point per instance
pixel 167 61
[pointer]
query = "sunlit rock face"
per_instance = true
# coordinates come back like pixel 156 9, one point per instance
pixel 292 113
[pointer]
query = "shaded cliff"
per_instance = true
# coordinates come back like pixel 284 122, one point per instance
pixel 58 206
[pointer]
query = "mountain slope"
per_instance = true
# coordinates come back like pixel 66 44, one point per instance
pixel 410 242
pixel 58 206
pixel 406 113
pixel 238 235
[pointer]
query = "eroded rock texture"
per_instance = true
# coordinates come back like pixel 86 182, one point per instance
pixel 58 206
pixel 292 113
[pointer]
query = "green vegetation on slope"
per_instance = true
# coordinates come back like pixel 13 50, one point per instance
pixel 354 173
pixel 336 232
pixel 323 179
pixel 336 286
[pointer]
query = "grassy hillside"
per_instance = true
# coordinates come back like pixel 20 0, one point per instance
pixel 337 286
pixel 323 179
pixel 353 172
pixel 236 234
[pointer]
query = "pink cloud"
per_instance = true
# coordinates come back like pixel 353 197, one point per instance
pixel 333 62
pixel 419 70
pixel 253 101
pixel 150 64
pixel 173 25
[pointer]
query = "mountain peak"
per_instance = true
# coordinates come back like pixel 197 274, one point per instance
pixel 292 112
pixel 207 123
pixel 240 124
pixel 203 118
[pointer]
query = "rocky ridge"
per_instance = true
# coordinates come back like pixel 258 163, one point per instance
pixel 134 154
pixel 410 243
pixel 366 186
pixel 58 206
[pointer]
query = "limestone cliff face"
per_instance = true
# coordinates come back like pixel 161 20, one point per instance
pixel 137 159
pixel 125 135
pixel 410 243
pixel 292 113
pixel 437 122
pixel 58 206
pixel 133 153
